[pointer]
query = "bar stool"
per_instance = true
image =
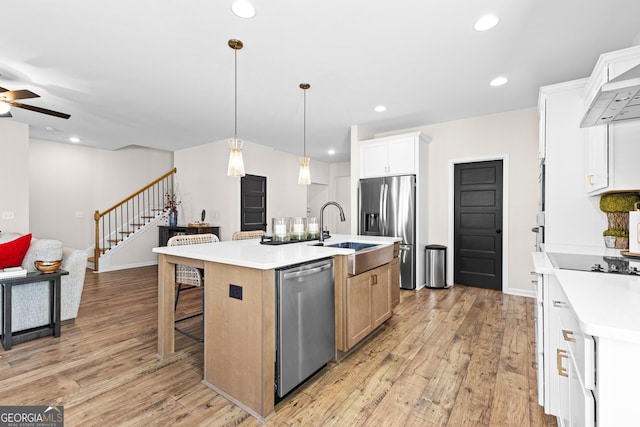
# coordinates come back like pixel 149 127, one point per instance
pixel 190 277
pixel 243 235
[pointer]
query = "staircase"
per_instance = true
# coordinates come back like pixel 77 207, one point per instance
pixel 128 217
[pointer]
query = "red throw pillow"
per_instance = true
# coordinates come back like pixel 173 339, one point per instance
pixel 12 253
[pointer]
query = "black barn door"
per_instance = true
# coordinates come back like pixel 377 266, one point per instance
pixel 253 203
pixel 478 224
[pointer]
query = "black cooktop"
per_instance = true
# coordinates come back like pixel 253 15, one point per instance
pixel 596 263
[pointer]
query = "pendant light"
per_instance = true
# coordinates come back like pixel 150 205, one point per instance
pixel 305 175
pixel 236 165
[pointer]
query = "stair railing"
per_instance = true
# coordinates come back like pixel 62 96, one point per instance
pixel 124 218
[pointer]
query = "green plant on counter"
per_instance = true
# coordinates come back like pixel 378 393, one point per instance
pixel 618 202
pixel 617 207
pixel 616 232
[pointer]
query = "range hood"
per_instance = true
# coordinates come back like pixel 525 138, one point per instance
pixel 616 101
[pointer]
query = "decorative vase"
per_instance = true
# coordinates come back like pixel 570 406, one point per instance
pixel 610 241
pixel 622 243
pixel 173 218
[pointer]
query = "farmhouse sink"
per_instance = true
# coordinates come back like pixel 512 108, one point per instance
pixel 352 245
pixel 365 257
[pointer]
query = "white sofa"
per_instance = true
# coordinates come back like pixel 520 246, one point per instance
pixel 30 302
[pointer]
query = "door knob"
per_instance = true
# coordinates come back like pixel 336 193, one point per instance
pixel 498 231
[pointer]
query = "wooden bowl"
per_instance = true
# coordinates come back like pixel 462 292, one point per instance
pixel 47 266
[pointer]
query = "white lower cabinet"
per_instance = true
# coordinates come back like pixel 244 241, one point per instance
pixel 573 377
pixel 582 403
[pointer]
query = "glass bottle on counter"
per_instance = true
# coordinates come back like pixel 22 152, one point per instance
pixel 279 229
pixel 313 228
pixel 298 228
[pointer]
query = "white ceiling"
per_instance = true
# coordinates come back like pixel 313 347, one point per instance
pixel 159 73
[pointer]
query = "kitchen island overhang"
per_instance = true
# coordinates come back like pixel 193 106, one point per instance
pixel 239 347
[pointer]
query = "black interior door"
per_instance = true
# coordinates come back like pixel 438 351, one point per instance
pixel 253 203
pixel 478 224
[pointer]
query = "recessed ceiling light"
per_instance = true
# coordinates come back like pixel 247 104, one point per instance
pixel 331 152
pixel 243 9
pixel 49 129
pixel 498 81
pixel 485 23
pixel 380 109
pixel 74 139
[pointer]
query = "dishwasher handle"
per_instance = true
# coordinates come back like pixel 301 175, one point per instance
pixel 307 272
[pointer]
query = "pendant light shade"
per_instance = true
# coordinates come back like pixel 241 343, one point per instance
pixel 236 164
pixel 304 177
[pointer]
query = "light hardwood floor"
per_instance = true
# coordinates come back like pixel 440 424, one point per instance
pixel 457 357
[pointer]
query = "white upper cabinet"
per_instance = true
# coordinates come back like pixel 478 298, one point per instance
pixel 394 155
pixel 596 159
pixel 611 150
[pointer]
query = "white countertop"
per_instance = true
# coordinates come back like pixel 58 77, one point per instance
pixel 250 253
pixel 607 305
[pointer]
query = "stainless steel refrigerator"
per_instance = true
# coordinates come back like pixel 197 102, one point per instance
pixel 387 207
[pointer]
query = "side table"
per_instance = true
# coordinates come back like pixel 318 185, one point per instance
pixel 165 232
pixel 54 279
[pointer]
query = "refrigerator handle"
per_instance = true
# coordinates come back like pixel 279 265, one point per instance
pixel 385 225
pixel 385 202
pixel 382 212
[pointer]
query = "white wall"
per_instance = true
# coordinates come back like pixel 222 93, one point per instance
pixel 69 182
pixel 572 217
pixel 203 184
pixel 514 134
pixel 341 193
pixel 14 176
pixel 358 133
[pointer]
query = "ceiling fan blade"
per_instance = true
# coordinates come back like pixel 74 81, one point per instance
pixel 40 110
pixel 7 114
pixel 13 95
pixel 3 90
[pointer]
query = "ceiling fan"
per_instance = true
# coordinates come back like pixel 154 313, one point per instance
pixel 9 97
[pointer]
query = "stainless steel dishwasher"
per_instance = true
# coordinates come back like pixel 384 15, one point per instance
pixel 305 339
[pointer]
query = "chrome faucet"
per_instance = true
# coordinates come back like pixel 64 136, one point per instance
pixel 322 217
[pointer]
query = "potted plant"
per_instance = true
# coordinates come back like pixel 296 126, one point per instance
pixel 617 206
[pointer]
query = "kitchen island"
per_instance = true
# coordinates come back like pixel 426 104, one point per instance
pixel 239 347
pixel 590 337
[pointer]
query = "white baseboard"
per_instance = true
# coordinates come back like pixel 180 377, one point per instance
pixel 128 266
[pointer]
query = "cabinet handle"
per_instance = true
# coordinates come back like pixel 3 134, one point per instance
pixel 374 279
pixel 561 354
pixel 567 338
pixel 559 304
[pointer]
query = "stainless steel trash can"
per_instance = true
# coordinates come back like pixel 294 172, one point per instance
pixel 435 258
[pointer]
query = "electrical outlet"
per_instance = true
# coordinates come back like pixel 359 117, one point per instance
pixel 79 214
pixel 235 291
pixel 7 215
